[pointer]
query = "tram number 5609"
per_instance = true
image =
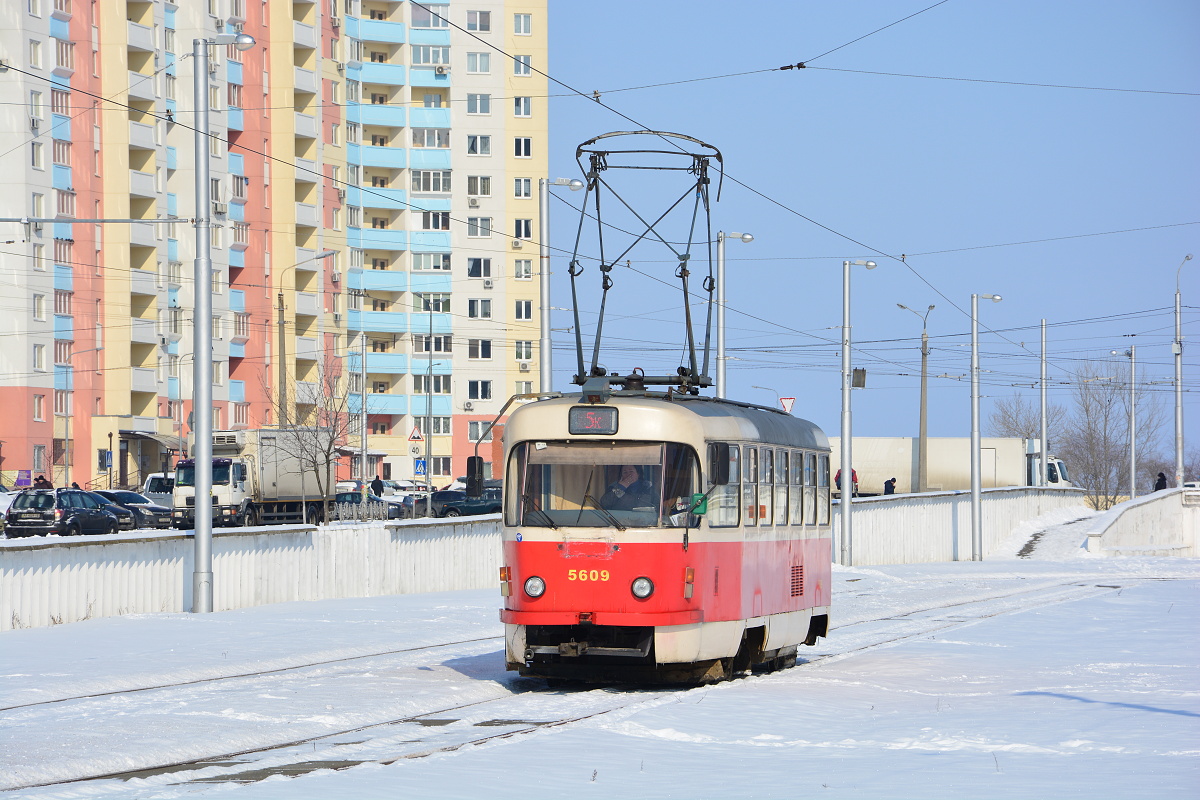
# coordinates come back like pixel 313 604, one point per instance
pixel 587 575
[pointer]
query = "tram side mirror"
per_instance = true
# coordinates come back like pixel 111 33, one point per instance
pixel 718 463
pixel 474 476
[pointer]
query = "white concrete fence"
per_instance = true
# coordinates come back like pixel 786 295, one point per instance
pixel 59 580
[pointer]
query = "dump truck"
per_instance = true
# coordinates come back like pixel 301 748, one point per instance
pixel 1004 461
pixel 257 479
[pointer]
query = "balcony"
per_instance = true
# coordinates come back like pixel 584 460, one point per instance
pixel 306 171
pixel 142 424
pixel 386 74
pixel 376 114
pixel 380 280
pixel 307 393
pixel 141 136
pixel 141 87
pixel 378 197
pixel 379 239
pixel 429 117
pixel 391 157
pixel 141 234
pixel 304 35
pixel 141 184
pixel 143 331
pixel 143 282
pixel 377 30
pixel 442 405
pixel 429 77
pixel 237 391
pixel 306 304
pixel 306 348
pixel 379 321
pixel 428 158
pixel 381 403
pixel 306 215
pixel 141 37
pixel 306 125
pixel 387 363
pixel 143 379
pixel 306 80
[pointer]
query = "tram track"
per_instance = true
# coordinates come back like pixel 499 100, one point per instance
pixel 522 707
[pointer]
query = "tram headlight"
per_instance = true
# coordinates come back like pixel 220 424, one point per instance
pixel 642 588
pixel 535 586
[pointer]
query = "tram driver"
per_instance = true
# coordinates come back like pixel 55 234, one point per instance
pixel 629 491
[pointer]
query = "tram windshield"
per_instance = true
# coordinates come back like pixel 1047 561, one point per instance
pixel 602 485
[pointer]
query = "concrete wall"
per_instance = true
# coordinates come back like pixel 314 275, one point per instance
pixel 1165 523
pixel 936 526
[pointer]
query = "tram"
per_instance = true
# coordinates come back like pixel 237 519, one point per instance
pixel 662 537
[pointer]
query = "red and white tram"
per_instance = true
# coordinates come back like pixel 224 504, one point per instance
pixel 660 537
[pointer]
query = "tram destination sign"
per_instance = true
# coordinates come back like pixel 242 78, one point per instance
pixel 591 420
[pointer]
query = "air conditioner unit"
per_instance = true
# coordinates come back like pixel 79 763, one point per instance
pixel 335 22
pixel 34 122
pixel 337 318
pixel 468 406
pixel 37 226
pixel 340 66
pixel 212 68
pixel 162 339
pixel 523 366
pixel 220 208
pixel 442 70
pixel 473 202
pixel 487 283
pixel 516 244
pixel 335 276
pixel 341 195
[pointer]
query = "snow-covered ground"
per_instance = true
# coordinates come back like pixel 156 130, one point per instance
pixel 1055 674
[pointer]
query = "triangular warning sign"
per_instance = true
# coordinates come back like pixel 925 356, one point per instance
pixel 415 436
pixel 787 402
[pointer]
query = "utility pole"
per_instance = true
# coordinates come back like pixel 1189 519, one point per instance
pixel 923 434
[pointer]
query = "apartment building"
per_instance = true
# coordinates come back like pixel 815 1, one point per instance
pixel 372 170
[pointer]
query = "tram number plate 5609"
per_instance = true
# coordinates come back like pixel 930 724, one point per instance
pixel 587 575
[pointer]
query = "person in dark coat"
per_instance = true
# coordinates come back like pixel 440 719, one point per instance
pixel 1161 483
pixel 629 491
pixel 42 483
pixel 889 486
pixel 377 486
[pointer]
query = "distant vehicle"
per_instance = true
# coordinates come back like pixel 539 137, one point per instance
pixel 256 479
pixel 395 510
pixel 146 514
pixel 159 488
pixel 125 518
pixel 453 503
pixel 63 512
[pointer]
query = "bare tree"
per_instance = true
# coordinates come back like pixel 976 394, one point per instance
pixel 1015 416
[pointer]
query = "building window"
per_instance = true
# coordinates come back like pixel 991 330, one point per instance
pixel 435 220
pixel 523 106
pixel 524 309
pixel 479 428
pixel 479 268
pixel 479 185
pixel 479 104
pixel 63 350
pixel 479 227
pixel 423 262
pixel 433 100
pixel 479 390
pixel 37 155
pixel 441 466
pixel 428 54
pixel 430 180
pixel 479 21
pixel 522 187
pixel 479 63
pixel 423 343
pixel 39 453
pixel 35 54
pixel 522 65
pixel 241 413
pixel 523 269
pixel 39 357
pixel 479 348
pixel 523 228
pixel 62 301
pixel 430 16
pixel 479 309
pixel 39 306
pixel 524 351
pixel 437 302
pixel 440 425
pixel 479 145
pixel 523 147
pixel 422 383
pixel 431 137
pixel 523 24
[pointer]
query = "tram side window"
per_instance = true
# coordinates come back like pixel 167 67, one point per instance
pixel 724 501
pixel 781 487
pixel 750 487
pixel 516 470
pixel 796 490
pixel 766 491
pixel 810 488
pixel 823 491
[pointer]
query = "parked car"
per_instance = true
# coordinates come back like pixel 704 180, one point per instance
pixel 160 488
pixel 125 518
pixel 64 512
pixel 453 503
pixel 394 510
pixel 414 505
pixel 146 513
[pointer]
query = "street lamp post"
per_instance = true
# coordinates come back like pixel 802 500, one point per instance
pixel 923 434
pixel 545 347
pixel 722 389
pixel 976 482
pixel 846 487
pixel 1131 354
pixel 202 588
pixel 1177 347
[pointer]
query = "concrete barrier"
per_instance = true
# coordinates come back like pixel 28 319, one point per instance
pixel 1160 524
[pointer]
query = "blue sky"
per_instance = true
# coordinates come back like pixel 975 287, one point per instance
pixel 942 171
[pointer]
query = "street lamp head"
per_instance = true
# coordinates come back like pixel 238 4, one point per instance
pixel 901 305
pixel 995 298
pixel 931 307
pixel 860 263
pixel 575 184
pixel 243 42
pixel 325 254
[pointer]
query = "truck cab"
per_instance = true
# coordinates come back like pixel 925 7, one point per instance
pixel 232 492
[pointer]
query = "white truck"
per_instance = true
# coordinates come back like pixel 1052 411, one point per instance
pixel 257 479
pixel 1004 461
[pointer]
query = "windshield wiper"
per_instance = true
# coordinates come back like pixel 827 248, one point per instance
pixel 607 514
pixel 527 503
